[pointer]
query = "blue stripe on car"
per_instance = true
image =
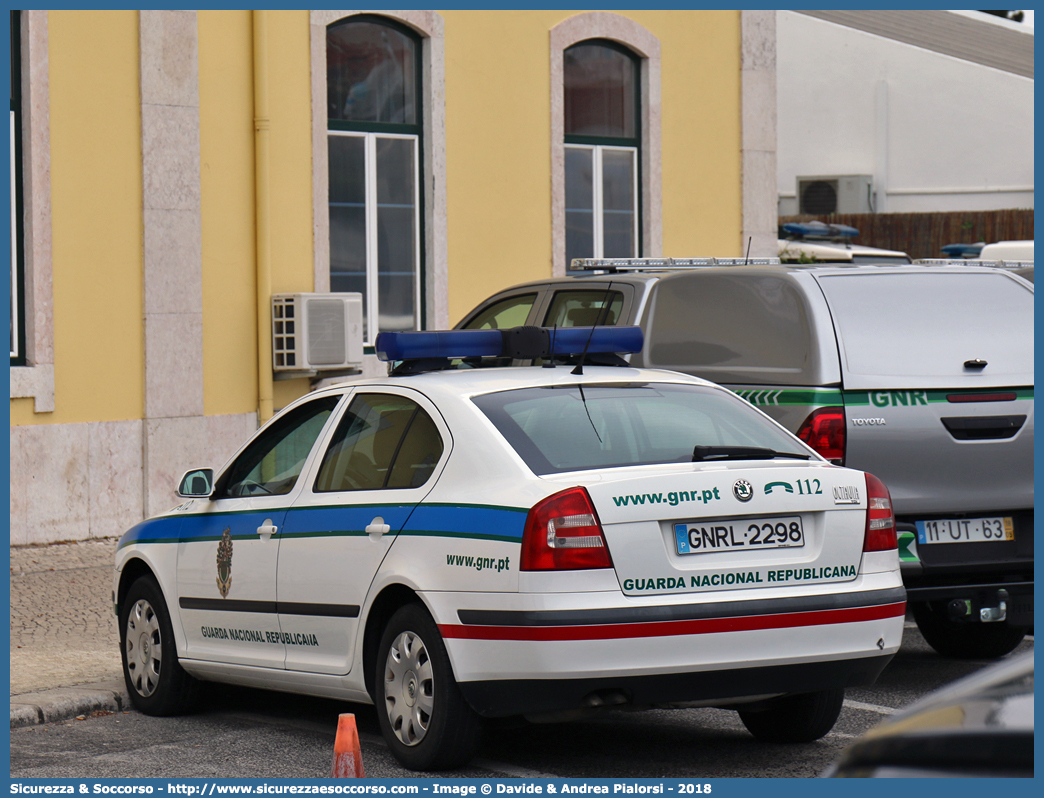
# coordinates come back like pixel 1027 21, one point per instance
pixel 482 522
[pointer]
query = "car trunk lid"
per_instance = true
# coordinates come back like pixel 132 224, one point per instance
pixel 731 525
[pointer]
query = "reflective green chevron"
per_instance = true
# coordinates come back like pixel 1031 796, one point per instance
pixel 779 396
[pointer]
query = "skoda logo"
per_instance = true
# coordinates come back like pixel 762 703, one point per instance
pixel 743 490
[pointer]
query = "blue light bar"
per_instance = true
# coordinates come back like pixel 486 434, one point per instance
pixel 820 230
pixel 444 343
pixel 524 343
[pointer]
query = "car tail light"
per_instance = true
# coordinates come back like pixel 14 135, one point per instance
pixel 824 431
pixel 880 522
pixel 563 534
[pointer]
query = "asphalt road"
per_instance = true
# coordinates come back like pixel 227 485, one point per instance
pixel 257 734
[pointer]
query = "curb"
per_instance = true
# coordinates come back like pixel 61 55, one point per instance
pixel 63 703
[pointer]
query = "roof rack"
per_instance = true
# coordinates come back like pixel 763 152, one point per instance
pixel 996 264
pixel 659 264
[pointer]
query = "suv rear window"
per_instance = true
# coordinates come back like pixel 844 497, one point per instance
pixel 927 324
pixel 574 427
pixel 733 321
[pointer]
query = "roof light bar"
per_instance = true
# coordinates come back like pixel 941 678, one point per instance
pixel 644 264
pixel 522 343
pixel 996 264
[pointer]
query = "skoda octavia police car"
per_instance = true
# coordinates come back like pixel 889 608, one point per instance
pixel 455 543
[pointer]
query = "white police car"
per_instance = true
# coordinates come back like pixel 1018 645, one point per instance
pixel 470 543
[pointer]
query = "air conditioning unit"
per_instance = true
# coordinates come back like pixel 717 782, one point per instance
pixel 317 332
pixel 818 196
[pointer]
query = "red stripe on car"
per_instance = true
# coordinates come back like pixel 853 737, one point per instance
pixel 701 626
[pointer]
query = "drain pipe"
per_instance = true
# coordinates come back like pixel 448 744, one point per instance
pixel 262 240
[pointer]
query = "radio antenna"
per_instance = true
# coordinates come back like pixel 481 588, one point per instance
pixel 550 362
pixel 602 315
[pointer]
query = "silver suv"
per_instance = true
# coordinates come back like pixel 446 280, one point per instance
pixel 921 374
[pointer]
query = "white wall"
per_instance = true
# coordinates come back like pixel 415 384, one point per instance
pixel 936 132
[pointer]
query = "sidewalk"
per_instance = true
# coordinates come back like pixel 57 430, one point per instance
pixel 65 656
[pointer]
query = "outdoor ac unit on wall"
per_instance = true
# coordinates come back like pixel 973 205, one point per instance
pixel 818 196
pixel 316 332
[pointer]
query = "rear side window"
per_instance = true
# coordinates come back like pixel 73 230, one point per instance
pixel 927 324
pixel 383 441
pixel 584 309
pixel 738 321
pixel 574 427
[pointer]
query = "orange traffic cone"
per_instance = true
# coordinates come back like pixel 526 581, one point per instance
pixel 347 760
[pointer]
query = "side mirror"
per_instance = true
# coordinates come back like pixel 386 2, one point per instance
pixel 197 484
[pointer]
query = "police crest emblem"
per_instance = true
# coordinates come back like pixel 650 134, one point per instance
pixel 224 562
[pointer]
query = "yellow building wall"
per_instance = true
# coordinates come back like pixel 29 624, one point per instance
pixel 497 79
pixel 96 219
pixel 498 147
pixel 701 116
pixel 226 95
pixel 290 98
pixel 498 153
pixel 226 142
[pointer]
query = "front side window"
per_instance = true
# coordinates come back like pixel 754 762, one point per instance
pixel 273 461
pixel 383 442
pixel 503 315
pixel 601 151
pixel 17 266
pixel 581 427
pixel 374 144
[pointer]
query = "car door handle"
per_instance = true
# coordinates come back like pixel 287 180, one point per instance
pixel 376 528
pixel 267 529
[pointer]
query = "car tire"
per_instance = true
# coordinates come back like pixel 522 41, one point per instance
pixel 799 718
pixel 964 640
pixel 157 684
pixel 423 715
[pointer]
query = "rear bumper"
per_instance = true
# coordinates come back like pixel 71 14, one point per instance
pixel 503 698
pixel 511 661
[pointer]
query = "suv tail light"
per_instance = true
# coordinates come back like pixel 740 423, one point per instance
pixel 563 534
pixel 824 431
pixel 880 522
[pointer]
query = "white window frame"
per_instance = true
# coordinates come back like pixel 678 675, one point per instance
pixel 370 200
pixel 429 25
pixel 598 200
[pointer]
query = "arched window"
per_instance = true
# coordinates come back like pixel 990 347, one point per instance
pixel 602 112
pixel 374 138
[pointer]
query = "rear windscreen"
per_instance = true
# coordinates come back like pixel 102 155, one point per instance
pixel 731 322
pixel 574 427
pixel 928 324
